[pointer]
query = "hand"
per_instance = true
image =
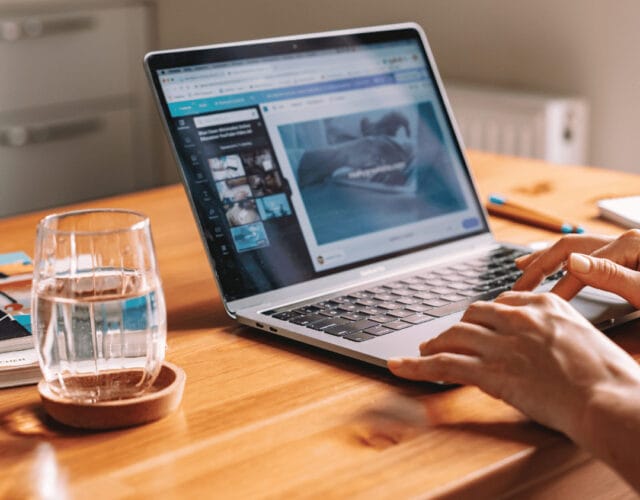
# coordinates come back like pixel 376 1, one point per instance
pixel 533 351
pixel 611 264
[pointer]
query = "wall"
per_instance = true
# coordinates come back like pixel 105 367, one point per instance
pixel 582 47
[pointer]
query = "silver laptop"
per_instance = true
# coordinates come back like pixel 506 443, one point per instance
pixel 331 190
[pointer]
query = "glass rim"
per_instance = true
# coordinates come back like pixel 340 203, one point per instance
pixel 44 224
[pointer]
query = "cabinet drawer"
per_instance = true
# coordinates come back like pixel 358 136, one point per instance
pixel 60 161
pixel 56 58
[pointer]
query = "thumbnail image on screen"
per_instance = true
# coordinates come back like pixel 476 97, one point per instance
pixel 226 167
pixel 366 172
pixel 249 237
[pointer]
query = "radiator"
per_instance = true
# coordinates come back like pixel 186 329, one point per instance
pixel 551 128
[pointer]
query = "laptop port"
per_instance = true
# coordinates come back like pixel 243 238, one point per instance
pixel 259 325
pixel 273 329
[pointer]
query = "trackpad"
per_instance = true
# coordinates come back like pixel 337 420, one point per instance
pixel 603 309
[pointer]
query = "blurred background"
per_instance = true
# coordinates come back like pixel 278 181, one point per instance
pixel 545 79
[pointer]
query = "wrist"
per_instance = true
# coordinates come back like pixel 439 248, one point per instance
pixel 611 416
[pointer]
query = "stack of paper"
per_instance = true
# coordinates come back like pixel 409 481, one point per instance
pixel 624 211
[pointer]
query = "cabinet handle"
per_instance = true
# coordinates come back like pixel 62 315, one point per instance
pixel 35 27
pixel 24 135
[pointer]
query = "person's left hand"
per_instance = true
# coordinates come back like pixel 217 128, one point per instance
pixel 533 351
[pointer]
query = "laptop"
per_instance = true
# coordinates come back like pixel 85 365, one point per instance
pixel 330 187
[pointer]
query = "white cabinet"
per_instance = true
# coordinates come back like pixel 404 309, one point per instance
pixel 75 113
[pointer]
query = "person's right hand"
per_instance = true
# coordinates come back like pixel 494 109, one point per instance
pixel 604 262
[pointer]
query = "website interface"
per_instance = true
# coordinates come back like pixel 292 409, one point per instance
pixel 304 164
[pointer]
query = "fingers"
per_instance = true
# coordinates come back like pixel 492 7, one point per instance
pixel 447 367
pixel 567 287
pixel 606 275
pixel 490 315
pixel 543 263
pixel 462 338
pixel 524 260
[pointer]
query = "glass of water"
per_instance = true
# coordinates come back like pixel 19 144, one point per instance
pixel 98 311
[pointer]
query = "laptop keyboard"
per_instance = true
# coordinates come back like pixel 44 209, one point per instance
pixel 365 314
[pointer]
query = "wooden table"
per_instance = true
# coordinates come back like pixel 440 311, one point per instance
pixel 266 417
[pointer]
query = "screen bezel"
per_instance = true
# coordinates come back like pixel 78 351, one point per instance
pixel 299 44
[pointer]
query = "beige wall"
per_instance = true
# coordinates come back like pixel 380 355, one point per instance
pixel 583 47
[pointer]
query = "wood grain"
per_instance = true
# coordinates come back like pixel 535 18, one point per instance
pixel 263 417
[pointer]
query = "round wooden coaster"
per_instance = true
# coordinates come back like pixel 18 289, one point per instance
pixel 163 398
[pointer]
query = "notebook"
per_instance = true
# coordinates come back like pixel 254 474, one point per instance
pixel 624 211
pixel 331 190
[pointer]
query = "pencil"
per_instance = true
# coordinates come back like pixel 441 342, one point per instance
pixel 500 206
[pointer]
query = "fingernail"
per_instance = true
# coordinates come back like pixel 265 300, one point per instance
pixel 579 263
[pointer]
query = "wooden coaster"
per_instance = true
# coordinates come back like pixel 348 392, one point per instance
pixel 163 398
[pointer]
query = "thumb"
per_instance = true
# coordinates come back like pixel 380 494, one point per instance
pixel 606 275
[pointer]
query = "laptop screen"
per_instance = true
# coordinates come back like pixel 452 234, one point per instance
pixel 308 157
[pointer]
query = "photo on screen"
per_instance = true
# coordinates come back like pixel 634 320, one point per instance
pixel 226 167
pixel 242 212
pixel 232 190
pixel 249 237
pixel 258 161
pixel 271 207
pixel 372 170
pixel 265 184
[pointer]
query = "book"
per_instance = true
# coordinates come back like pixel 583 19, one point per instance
pixel 624 211
pixel 16 272
pixel 19 368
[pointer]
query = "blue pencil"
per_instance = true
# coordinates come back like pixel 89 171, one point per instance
pixel 501 206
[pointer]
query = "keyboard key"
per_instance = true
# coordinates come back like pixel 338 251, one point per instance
pixel 304 320
pixel 399 313
pixel 407 301
pixel 391 286
pixel 366 302
pixel 453 278
pixel 323 323
pixel 306 310
pixel 435 303
pixel 453 307
pixel 419 287
pixel 416 319
pixel 362 324
pixel 285 315
pixel 326 304
pixel 417 307
pixel 342 300
pixel 436 282
pixel 347 307
pixel 378 330
pixel 351 316
pixel 384 297
pixel 338 330
pixel 424 295
pixel 452 297
pixel 379 319
pixel 401 292
pixel 329 312
pixel 359 337
pixel 397 325
pixel 388 305
pixel 459 286
pixel 367 311
pixel 411 281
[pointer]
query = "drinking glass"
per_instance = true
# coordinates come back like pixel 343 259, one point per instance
pixel 98 311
